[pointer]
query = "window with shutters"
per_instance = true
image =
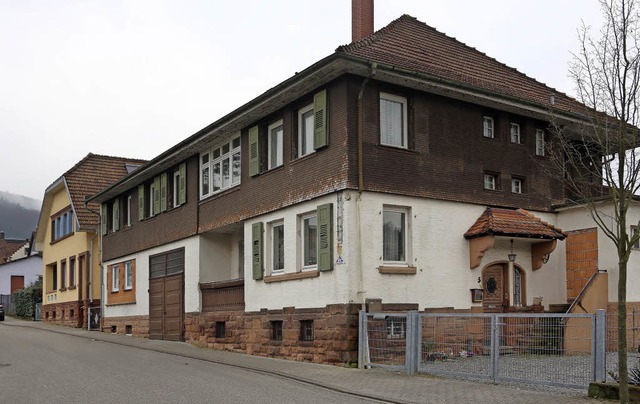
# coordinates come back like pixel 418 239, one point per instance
pixel 275 144
pixel 220 168
pixel 154 193
pixel 312 125
pixel 276 241
pixel 309 240
pixel 395 234
pixel 393 120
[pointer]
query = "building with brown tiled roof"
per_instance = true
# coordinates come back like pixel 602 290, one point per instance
pixel 67 236
pixel 405 170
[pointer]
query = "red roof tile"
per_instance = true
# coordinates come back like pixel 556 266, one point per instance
pixel 409 44
pixel 9 247
pixel 513 223
pixel 91 175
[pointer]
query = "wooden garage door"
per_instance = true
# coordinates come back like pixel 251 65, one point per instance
pixel 166 296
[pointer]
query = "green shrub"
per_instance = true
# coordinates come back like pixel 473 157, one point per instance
pixel 24 300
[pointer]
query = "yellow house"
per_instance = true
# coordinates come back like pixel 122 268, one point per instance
pixel 68 237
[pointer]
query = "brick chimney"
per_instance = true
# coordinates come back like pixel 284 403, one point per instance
pixel 361 19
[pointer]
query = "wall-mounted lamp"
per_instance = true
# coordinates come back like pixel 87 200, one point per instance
pixel 512 255
pixel 545 258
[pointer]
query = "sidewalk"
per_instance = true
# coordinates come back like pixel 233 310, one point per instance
pixel 376 384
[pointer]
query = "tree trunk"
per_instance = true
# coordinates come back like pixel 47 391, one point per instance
pixel 623 375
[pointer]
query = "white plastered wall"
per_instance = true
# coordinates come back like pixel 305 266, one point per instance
pixel 141 306
pixel 437 249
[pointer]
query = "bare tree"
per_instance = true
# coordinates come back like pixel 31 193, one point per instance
pixel 598 154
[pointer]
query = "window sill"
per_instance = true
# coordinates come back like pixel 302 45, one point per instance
pixel 120 304
pixel 115 291
pixel 62 290
pixel 291 277
pixel 209 198
pixel 396 270
pixel 398 149
pixel 72 287
pixel 305 157
pixel 61 238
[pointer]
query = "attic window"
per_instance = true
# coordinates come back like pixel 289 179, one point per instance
pixel 61 225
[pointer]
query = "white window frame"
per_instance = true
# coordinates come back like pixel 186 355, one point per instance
pixel 128 218
pixel 115 278
pixel 278 148
pixel 490 182
pixel 514 133
pixel 488 127
pixel 516 185
pixel 128 273
pixel 303 151
pixel 406 211
pixel 271 256
pixel 539 142
pixel 302 241
pixel 221 158
pixel 176 189
pixel 384 137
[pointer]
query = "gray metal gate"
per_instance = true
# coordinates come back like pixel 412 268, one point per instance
pixel 552 349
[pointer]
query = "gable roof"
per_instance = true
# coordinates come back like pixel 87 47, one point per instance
pixel 90 175
pixel 406 52
pixel 10 247
pixel 512 223
pixel 412 45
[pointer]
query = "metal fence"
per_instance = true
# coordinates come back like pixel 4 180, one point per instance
pixel 552 349
pixel 633 342
pixel 7 303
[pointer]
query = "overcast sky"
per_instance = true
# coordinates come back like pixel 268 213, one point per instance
pixel 133 78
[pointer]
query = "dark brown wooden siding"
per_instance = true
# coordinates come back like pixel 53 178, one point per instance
pixel 171 225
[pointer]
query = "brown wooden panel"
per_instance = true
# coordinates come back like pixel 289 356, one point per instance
pixel 156 308
pixel 17 283
pixel 173 307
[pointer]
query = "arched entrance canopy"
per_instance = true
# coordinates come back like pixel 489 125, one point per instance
pixel 514 223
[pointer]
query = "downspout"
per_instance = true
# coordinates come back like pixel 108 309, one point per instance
pixel 361 288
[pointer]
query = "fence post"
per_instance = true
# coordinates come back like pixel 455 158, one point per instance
pixel 600 342
pixel 412 337
pixel 362 331
pixel 495 347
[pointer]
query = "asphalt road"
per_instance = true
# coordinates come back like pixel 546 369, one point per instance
pixel 38 366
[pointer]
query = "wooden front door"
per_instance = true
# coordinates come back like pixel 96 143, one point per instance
pixel 166 296
pixel 494 284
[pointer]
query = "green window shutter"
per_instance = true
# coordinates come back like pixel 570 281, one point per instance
pixel 116 214
pixel 254 152
pixel 103 219
pixel 163 192
pixel 182 190
pixel 156 195
pixel 325 237
pixel 320 132
pixel 140 202
pixel 257 250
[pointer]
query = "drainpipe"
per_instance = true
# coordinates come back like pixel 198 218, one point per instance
pixel 361 287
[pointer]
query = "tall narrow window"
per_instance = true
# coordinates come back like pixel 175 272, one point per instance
pixel 518 287
pixel 305 130
pixel 63 274
pixel 394 235
pixel 275 144
pixel 72 271
pixel 176 189
pixel 539 142
pixel 204 174
pixel 127 215
pixel 487 127
pixel 152 197
pixel 309 241
pixel 128 275
pixel 393 120
pixel 115 278
pixel 277 246
pixel 515 132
